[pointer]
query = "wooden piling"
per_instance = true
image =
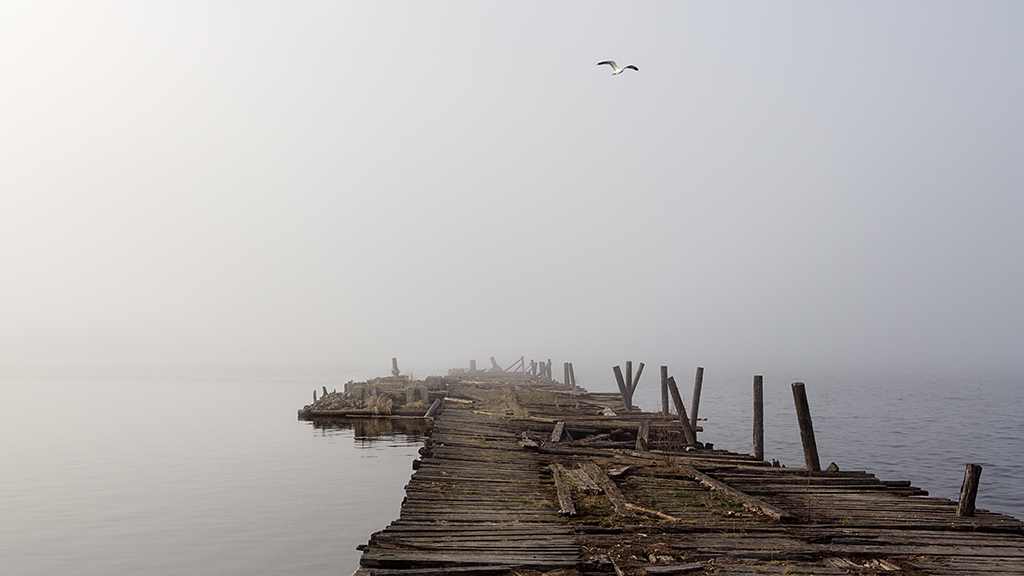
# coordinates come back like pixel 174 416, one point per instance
pixel 636 379
pixel 969 490
pixel 572 376
pixel 623 391
pixel 759 417
pixel 691 438
pixel 698 381
pixel 664 390
pixel 803 417
pixel 472 365
pixel 394 367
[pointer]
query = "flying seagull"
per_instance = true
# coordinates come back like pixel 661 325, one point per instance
pixel 616 69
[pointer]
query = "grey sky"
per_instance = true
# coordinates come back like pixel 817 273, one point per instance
pixel 781 184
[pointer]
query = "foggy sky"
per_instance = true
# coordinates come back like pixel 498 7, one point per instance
pixel 781 185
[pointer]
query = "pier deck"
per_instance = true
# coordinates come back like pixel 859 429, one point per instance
pixel 523 478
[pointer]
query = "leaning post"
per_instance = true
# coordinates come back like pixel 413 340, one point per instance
pixel 698 381
pixel 636 379
pixel 622 386
pixel 664 390
pixel 684 422
pixel 969 490
pixel 803 417
pixel 759 417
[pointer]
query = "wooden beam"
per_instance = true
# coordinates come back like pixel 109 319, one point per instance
pixel 610 489
pixel 565 503
pixel 747 500
pixel 433 408
pixel 583 482
pixel 556 434
pixel 643 436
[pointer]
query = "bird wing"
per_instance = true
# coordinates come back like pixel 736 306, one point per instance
pixel 608 62
pixel 631 67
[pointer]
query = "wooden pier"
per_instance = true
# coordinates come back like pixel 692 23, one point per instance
pixel 530 477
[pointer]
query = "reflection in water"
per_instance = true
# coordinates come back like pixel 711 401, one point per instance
pixel 372 430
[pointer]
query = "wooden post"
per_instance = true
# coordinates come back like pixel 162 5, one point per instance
pixel 622 386
pixel 565 372
pixel 759 417
pixel 394 367
pixel 691 438
pixel 636 379
pixel 495 367
pixel 472 365
pixel 629 383
pixel 698 381
pixel 969 491
pixel 522 364
pixel 572 376
pixel 664 390
pixel 549 369
pixel 803 417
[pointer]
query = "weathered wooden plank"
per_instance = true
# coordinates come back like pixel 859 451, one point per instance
pixel 747 500
pixel 583 482
pixel 643 435
pixel 565 503
pixel 610 489
pixel 556 434
pixel 677 569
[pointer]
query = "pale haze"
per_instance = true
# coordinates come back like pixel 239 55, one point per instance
pixel 793 185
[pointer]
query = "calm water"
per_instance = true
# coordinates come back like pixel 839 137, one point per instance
pixel 209 472
pixel 189 473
